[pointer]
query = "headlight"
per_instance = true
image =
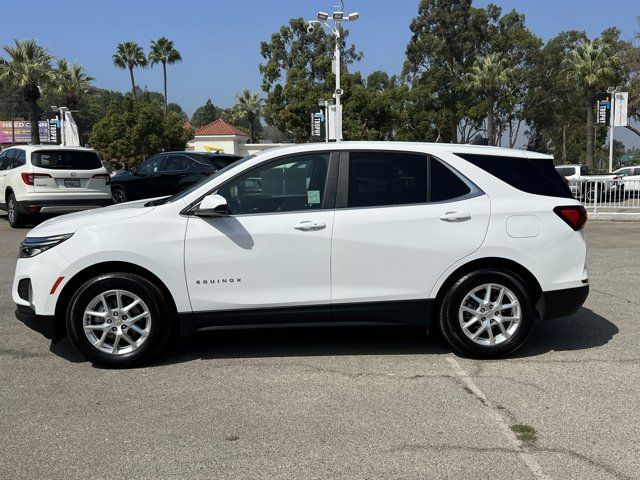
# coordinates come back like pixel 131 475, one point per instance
pixel 32 246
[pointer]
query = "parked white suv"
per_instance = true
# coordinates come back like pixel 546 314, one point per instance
pixel 47 179
pixel 476 241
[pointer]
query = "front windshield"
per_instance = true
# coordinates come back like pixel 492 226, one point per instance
pixel 193 188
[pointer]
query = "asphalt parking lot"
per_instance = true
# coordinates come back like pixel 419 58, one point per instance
pixel 343 403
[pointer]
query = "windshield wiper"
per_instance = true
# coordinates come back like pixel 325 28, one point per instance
pixel 155 203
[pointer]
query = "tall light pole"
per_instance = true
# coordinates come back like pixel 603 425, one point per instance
pixel 337 17
pixel 612 91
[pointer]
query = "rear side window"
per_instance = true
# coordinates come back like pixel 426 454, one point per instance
pixel 176 163
pixel 636 171
pixel 566 171
pixel 17 159
pixel 390 178
pixel 66 160
pixel 536 176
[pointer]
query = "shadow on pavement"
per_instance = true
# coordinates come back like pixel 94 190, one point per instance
pixel 581 331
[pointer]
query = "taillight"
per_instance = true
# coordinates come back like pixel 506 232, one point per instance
pixel 29 178
pixel 575 216
pixel 105 176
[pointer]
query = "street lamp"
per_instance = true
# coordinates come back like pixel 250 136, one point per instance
pixel 612 91
pixel 337 17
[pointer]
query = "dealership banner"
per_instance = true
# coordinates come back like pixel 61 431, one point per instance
pixel 620 109
pixel 21 131
pixel 603 109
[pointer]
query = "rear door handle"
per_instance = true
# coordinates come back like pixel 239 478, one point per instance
pixel 309 226
pixel 455 217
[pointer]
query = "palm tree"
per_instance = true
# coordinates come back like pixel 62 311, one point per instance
pixel 71 82
pixel 128 56
pixel 488 74
pixel 29 69
pixel 249 106
pixel 590 63
pixel 162 51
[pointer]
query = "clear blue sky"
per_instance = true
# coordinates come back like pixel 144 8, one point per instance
pixel 219 40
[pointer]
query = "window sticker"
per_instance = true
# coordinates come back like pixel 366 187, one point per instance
pixel 313 197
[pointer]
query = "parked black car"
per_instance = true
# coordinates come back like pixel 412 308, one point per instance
pixel 166 173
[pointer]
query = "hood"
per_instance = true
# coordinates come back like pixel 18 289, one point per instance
pixel 73 221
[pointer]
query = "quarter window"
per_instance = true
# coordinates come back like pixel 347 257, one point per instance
pixel 291 184
pixel 390 178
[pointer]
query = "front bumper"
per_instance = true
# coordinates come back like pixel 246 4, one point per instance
pixel 560 303
pixel 61 206
pixel 43 324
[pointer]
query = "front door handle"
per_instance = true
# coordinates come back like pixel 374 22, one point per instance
pixel 455 217
pixel 309 226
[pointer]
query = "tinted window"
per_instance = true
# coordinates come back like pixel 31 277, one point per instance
pixel 584 170
pixel 389 178
pixel 536 176
pixel 66 160
pixel 566 171
pixel 17 159
pixel 151 165
pixel 636 171
pixel 3 156
pixel 445 185
pixel 291 184
pixel 176 162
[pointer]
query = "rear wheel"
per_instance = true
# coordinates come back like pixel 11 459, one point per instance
pixel 487 314
pixel 118 320
pixel 119 195
pixel 16 218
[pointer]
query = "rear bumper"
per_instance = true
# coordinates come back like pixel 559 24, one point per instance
pixel 61 206
pixel 43 324
pixel 560 303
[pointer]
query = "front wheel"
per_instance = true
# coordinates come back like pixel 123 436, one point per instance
pixel 487 314
pixel 118 320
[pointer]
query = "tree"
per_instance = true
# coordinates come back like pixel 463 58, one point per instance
pixel 632 58
pixel 296 74
pixel 488 74
pixel 163 52
pixel 249 107
pixel 28 69
pixel 591 63
pixel 71 82
pixel 447 35
pixel 205 114
pixel 133 130
pixel 128 56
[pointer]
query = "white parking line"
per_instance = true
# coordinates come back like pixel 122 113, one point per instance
pixel 526 457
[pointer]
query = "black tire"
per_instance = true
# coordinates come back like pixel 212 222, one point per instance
pixel 150 294
pixel 118 194
pixel 450 325
pixel 16 218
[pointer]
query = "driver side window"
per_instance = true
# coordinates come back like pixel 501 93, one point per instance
pixel 291 184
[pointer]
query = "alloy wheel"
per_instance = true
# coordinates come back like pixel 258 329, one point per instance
pixel 117 322
pixel 490 314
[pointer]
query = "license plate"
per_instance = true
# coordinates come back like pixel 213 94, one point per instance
pixel 71 183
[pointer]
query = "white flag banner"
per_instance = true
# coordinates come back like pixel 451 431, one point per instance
pixel 71 136
pixel 620 113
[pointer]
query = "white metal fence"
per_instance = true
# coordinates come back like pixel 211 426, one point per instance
pixel 608 196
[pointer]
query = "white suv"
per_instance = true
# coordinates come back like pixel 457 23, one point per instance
pixel 475 241
pixel 46 179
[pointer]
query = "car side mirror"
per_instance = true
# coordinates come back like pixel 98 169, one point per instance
pixel 212 206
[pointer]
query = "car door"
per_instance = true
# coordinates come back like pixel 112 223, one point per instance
pixel 632 183
pixel 148 181
pixel 401 220
pixel 177 173
pixel 270 257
